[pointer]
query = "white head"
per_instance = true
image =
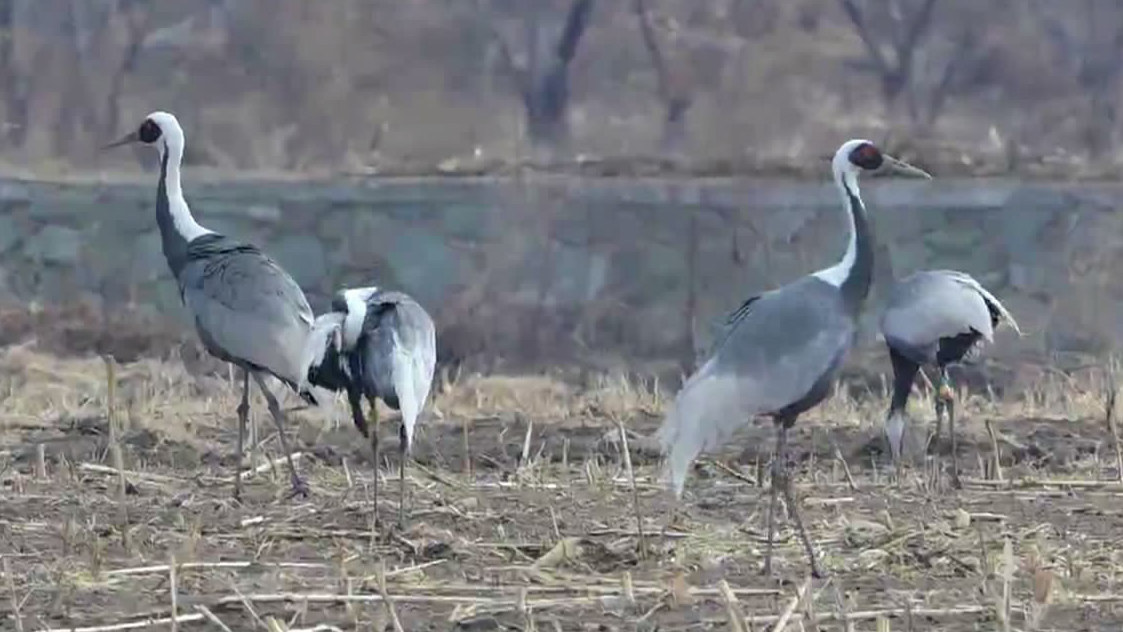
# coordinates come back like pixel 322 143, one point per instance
pixel 858 155
pixel 160 129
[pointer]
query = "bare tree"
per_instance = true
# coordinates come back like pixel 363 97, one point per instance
pixel 674 85
pixel 901 43
pixel 13 76
pixel 542 78
pixel 1089 42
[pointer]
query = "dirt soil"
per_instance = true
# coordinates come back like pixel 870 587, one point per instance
pixel 542 534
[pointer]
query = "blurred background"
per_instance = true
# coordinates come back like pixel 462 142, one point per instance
pixel 561 181
pixel 364 85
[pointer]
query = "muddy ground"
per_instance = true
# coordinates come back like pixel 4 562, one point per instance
pixel 545 540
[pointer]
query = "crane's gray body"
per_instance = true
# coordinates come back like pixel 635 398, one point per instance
pixel 931 306
pixel 935 318
pixel 392 357
pixel 779 354
pixel 247 310
pixel 398 350
pixel 779 358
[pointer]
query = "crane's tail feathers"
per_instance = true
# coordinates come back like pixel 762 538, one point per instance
pixel 969 281
pixel 708 409
pixel 412 377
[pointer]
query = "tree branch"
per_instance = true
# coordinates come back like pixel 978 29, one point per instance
pixel 575 24
pixel 651 42
pixel 854 13
pixel 519 74
pixel 918 25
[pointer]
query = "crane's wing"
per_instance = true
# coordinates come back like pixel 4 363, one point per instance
pixel 246 307
pixel 398 350
pixel 731 321
pixel 995 306
pixel 934 304
pixel 782 350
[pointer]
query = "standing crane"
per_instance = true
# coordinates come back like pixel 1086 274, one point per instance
pixel 935 318
pixel 248 311
pixel 376 344
pixel 782 349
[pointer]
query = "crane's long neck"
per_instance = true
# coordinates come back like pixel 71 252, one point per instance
pixel 177 226
pixel 854 273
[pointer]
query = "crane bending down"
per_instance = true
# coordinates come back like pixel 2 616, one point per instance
pixel 935 318
pixel 376 344
pixel 782 349
pixel 248 311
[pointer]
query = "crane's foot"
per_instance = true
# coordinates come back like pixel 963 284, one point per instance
pixel 944 392
pixel 299 488
pixel 955 482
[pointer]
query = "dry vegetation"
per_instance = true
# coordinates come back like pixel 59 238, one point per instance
pixel 457 86
pixel 523 513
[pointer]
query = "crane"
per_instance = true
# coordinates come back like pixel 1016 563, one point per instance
pixel 935 318
pixel 376 344
pixel 247 310
pixel 782 349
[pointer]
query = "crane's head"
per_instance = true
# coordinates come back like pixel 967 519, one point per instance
pixel 858 155
pixel 158 128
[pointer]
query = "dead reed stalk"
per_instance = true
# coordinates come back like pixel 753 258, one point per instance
pixel 41 462
pixel 732 607
pixel 786 615
pixel 11 580
pixel 115 447
pixel 173 587
pixel 1111 392
pixel 627 453
pixel 391 611
pixel 995 451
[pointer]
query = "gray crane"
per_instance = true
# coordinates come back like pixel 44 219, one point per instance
pixel 782 349
pixel 935 318
pixel 376 344
pixel 247 310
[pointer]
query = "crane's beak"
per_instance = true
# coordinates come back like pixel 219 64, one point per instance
pixel 903 168
pixel 131 137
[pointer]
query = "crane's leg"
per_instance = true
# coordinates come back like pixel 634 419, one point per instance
pixel 780 480
pixel 403 452
pixel 934 442
pixel 374 449
pixel 949 403
pixel 773 489
pixel 243 417
pixel 355 400
pixel 298 485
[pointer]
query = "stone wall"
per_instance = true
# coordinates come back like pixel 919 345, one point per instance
pixel 586 264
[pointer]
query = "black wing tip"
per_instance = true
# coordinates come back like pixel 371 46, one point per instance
pixel 308 397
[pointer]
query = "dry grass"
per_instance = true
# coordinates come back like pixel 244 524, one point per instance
pixel 543 534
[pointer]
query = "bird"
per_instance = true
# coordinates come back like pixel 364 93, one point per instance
pixel 935 318
pixel 377 344
pixel 781 349
pixel 247 310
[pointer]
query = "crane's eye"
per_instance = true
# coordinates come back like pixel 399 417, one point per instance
pixel 149 131
pixel 866 156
